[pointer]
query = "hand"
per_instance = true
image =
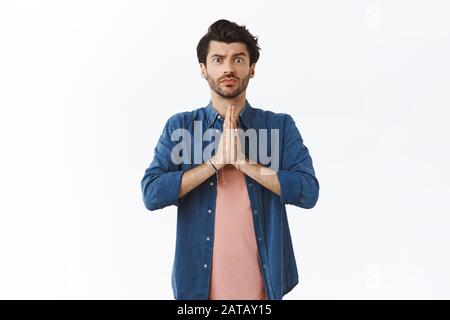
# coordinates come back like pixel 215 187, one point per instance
pixel 237 157
pixel 229 148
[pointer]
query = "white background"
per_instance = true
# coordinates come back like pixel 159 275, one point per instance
pixel 86 87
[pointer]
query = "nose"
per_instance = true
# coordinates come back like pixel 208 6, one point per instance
pixel 229 68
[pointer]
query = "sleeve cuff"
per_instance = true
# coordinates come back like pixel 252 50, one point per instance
pixel 291 188
pixel 169 188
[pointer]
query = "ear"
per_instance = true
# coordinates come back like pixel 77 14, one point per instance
pixel 203 71
pixel 252 70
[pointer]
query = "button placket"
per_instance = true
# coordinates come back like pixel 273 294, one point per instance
pixel 262 251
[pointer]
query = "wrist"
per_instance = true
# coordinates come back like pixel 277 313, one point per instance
pixel 241 161
pixel 218 163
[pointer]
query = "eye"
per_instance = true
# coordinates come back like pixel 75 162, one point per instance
pixel 239 60
pixel 216 59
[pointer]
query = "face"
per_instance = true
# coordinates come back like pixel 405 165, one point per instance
pixel 227 61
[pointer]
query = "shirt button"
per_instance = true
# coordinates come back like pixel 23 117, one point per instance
pixel 211 183
pixel 259 238
pixel 219 117
pixel 255 212
pixel 207 238
pixel 264 266
pixel 209 210
pixel 205 266
pixel 250 184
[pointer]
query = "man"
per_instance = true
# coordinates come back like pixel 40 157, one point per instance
pixel 233 239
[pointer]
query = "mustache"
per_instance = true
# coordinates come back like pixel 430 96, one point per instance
pixel 228 78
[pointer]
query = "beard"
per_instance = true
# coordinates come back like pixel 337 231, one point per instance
pixel 229 91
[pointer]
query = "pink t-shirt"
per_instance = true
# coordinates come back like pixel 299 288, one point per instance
pixel 236 272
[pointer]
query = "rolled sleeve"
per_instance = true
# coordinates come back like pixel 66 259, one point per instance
pixel 162 179
pixel 298 182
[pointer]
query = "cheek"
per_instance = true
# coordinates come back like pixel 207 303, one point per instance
pixel 213 75
pixel 244 71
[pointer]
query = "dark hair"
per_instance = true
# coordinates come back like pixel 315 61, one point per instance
pixel 225 31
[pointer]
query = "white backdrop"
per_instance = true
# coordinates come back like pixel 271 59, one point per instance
pixel 86 87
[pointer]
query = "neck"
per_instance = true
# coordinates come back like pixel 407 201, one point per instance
pixel 221 104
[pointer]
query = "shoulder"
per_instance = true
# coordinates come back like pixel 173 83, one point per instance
pixel 183 119
pixel 271 118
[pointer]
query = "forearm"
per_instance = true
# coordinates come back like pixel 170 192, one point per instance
pixel 194 177
pixel 267 177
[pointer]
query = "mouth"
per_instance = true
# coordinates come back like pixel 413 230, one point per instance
pixel 228 81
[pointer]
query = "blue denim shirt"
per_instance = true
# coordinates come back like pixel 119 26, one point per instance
pixel 196 210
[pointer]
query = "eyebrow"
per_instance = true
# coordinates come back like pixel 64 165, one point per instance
pixel 234 55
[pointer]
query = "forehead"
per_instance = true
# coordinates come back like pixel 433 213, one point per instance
pixel 222 48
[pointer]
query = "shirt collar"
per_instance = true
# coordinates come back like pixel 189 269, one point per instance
pixel 245 116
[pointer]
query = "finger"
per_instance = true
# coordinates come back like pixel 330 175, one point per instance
pixel 225 122
pixel 236 133
pixel 233 142
pixel 223 138
pixel 233 119
pixel 227 133
pixel 238 143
